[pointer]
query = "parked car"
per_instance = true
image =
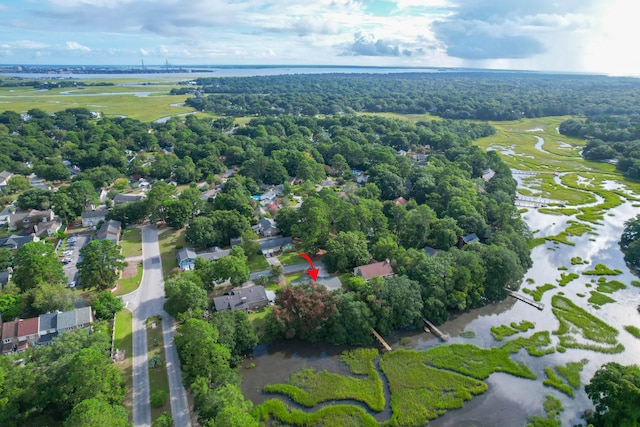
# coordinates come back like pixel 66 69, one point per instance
pixel 72 284
pixel 66 260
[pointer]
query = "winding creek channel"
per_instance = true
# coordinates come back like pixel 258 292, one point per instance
pixel 510 400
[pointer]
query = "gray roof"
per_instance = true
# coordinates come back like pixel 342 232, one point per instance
pixel 110 230
pixel 266 223
pixel 275 243
pixel 470 238
pixel 242 299
pixel 430 251
pixel 95 214
pixel 331 283
pixel 16 242
pixel 84 315
pixel 66 319
pixel 185 253
pixel 214 255
pixel 127 198
pixel 4 278
pixel 48 321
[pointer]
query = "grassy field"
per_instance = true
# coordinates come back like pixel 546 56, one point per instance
pixel 536 345
pixel 124 341
pixel 309 387
pixel 130 284
pixel 334 415
pixel 258 320
pixel 257 262
pixel 293 277
pixel 108 100
pixel 131 242
pixel 158 378
pixel 567 379
pixel 291 258
pixel 168 241
pixel 633 331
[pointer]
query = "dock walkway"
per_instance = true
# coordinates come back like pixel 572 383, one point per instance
pixel 538 305
pixel 435 331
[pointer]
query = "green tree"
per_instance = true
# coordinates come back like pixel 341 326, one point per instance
pixel 346 251
pixel 403 295
pixel 35 263
pixel 17 183
pixel 106 305
pixel 10 303
pixel 615 392
pixel 92 375
pixel 164 420
pixel 233 268
pixel 101 260
pixel 235 332
pixel 97 413
pixel 6 258
pixel 193 197
pixel 34 198
pixel 183 295
pixel 233 410
pixel 286 218
pixel 47 298
pixel 199 352
pixel 177 213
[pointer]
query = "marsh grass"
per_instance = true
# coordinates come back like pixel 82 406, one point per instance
pixel 609 286
pixel 499 332
pixel 602 270
pixel 335 415
pixel 599 299
pixel 539 291
pixel 420 392
pixel 633 331
pixel 575 321
pixel 309 387
pixel 565 278
pixel 536 345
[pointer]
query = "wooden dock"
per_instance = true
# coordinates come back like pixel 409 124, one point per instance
pixel 435 331
pixel 382 341
pixel 536 304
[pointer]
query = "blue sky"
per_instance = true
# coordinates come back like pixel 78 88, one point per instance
pixel 548 35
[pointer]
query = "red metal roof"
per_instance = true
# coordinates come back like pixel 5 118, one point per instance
pixel 28 327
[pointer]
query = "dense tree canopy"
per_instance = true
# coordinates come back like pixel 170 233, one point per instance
pixel 615 392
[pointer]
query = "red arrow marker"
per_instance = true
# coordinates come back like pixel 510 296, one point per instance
pixel 313 272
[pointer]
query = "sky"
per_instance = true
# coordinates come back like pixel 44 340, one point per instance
pixel 591 36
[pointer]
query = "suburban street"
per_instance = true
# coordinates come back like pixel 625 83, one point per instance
pixel 145 302
pixel 292 269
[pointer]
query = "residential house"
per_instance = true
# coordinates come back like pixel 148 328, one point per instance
pixel 186 258
pixel 250 298
pixel 267 198
pixel 15 242
pixel 374 269
pixel 330 282
pixel 84 317
pixel 9 337
pixel 468 239
pixel 237 241
pixel 266 227
pixel 25 219
pixel 5 214
pixel 139 183
pixel 48 328
pixel 66 321
pixel 5 277
pixel 362 178
pixel 421 159
pixel 48 228
pixel 27 333
pixel 401 153
pixel 400 201
pixel 209 194
pixel 430 251
pixel 110 230
pixel 37 182
pixel 122 198
pixel 270 246
pixel 4 178
pixel 488 174
pixel 214 254
pixel 92 218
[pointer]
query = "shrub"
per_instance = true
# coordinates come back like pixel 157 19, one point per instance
pixel 158 398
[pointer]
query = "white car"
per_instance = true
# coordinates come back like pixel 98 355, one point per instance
pixel 72 284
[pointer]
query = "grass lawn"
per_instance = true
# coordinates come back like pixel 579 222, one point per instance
pixel 291 258
pixel 293 277
pixel 258 320
pixel 130 284
pixel 124 341
pixel 257 262
pixel 168 241
pixel 158 378
pixel 131 242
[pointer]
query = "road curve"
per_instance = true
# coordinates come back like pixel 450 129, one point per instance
pixel 145 302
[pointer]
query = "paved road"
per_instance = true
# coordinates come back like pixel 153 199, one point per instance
pixel 145 302
pixel 288 269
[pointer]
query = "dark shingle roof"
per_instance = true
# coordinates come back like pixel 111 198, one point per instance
pixel 242 299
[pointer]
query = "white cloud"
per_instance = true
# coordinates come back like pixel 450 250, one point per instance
pixel 24 44
pixel 77 46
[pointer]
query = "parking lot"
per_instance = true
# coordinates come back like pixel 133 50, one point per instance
pixel 71 255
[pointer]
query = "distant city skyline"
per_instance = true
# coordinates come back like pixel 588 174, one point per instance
pixel 544 35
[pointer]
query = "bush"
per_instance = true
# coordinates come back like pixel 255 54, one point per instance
pixel 158 398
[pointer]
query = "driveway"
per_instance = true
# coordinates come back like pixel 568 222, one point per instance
pixel 71 269
pixel 145 302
